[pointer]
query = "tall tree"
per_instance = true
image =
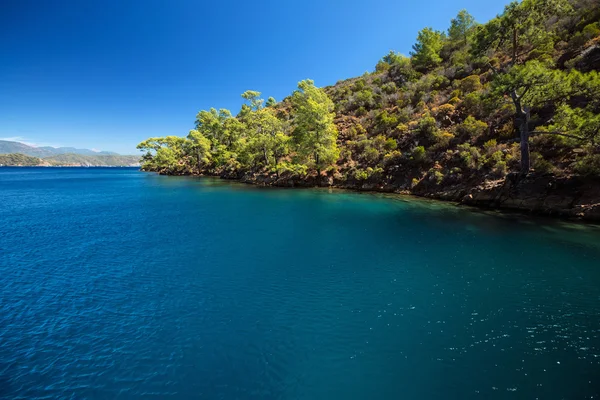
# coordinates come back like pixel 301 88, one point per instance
pixel 314 132
pixel 253 99
pixel 533 85
pixel 199 145
pixel 426 52
pixel 517 33
pixel 460 27
pixel 270 102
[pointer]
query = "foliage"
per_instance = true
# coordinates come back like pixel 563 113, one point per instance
pixel 472 128
pixel 450 112
pixel 426 52
pixel 461 27
pixel 314 132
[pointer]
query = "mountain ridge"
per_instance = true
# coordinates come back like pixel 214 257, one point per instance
pixel 68 160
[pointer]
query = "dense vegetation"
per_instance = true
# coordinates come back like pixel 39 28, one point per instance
pixel 17 159
pixel 518 93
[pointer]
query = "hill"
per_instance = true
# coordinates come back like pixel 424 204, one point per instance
pixel 502 114
pixel 8 147
pixel 21 160
pixel 76 160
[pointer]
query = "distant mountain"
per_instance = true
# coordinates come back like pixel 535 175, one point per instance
pixel 101 160
pixel 8 147
pixel 73 150
pixel 75 160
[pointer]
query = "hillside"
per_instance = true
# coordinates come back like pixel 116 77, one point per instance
pixel 502 114
pixel 8 147
pixel 21 160
pixel 69 160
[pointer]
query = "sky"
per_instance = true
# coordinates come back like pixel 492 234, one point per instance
pixel 106 75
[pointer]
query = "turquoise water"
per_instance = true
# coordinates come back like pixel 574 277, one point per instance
pixel 120 284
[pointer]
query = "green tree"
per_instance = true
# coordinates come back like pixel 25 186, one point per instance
pixel 520 29
pixel 426 52
pixel 534 84
pixel 314 133
pixel 210 124
pixel 270 102
pixel 517 32
pixel 165 155
pixel 199 146
pixel 461 27
pixel 253 99
pixel 267 138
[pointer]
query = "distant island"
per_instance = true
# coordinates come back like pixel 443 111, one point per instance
pixel 16 154
pixel 504 114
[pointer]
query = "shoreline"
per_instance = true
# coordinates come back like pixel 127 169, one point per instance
pixel 572 198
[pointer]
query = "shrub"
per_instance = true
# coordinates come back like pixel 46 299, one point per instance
pixel 496 157
pixel 371 154
pixel 418 154
pixel 361 175
pixel 473 104
pixel 540 164
pixel 444 111
pixel 435 176
pixel 364 174
pixel 358 85
pixel 292 168
pixel 470 156
pixel 591 30
pixel 403 129
pixel 365 98
pixel 470 84
pixel 389 88
pixel 500 168
pixel 442 139
pixel 427 127
pixel 390 144
pixel 490 146
pixel 454 100
pixel 588 165
pixel 472 127
pixel 385 120
pixel 392 158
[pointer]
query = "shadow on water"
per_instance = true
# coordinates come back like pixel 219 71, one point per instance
pixel 404 207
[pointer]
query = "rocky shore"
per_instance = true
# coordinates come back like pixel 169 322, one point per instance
pixel 572 197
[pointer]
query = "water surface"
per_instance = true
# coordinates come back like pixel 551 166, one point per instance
pixel 120 284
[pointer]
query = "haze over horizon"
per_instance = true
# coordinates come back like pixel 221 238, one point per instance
pixel 106 76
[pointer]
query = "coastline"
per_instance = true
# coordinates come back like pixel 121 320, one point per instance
pixel 573 198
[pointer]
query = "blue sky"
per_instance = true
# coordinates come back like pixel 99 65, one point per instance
pixel 108 74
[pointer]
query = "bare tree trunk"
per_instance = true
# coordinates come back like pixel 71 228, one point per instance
pixel 514 46
pixel 522 117
pixel 524 131
pixel 318 168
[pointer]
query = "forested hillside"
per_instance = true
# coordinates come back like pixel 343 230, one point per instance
pixel 17 159
pixel 480 108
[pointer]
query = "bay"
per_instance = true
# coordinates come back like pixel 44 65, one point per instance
pixel 120 284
